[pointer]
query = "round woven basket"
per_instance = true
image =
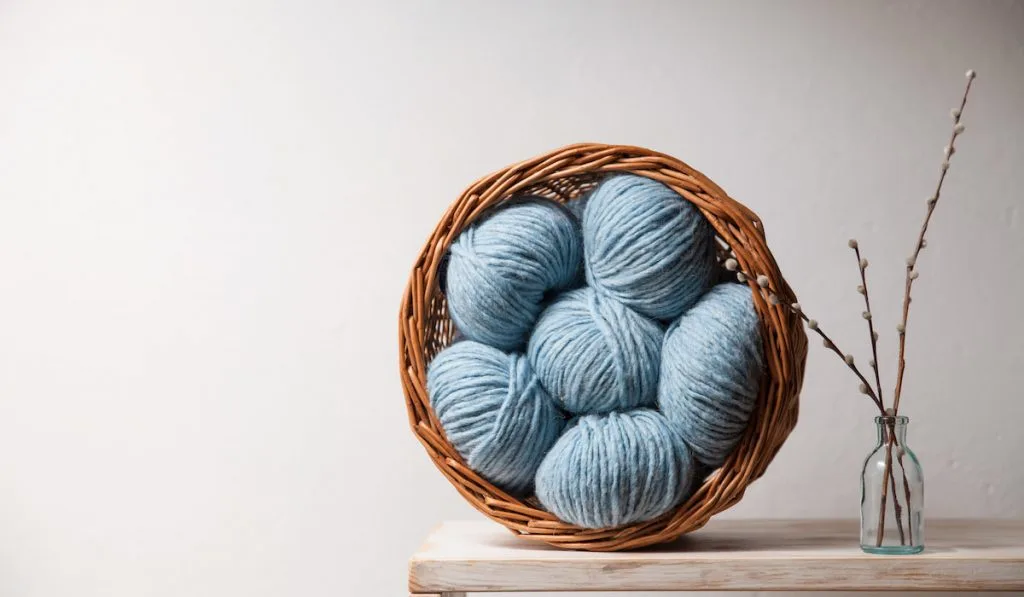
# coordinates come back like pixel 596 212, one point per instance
pixel 424 329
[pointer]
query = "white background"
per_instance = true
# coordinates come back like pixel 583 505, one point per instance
pixel 208 211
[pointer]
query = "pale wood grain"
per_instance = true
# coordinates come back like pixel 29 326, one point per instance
pixel 747 555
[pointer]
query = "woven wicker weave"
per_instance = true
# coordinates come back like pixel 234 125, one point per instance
pixel 425 329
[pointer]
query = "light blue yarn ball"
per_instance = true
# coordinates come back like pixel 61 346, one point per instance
pixel 647 246
pixel 500 269
pixel 594 354
pixel 711 370
pixel 615 469
pixel 494 412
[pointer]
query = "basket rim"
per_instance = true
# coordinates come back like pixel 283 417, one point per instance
pixel 741 232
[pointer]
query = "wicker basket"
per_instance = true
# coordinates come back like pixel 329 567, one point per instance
pixel 424 329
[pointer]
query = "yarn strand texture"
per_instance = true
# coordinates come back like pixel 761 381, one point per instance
pixel 595 355
pixel 494 411
pixel 711 371
pixel 647 248
pixel 501 268
pixel 615 469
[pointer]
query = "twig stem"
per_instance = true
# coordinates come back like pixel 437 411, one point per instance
pixel 889 476
pixel 906 494
pixel 912 261
pixel 732 266
pixel 880 532
pixel 871 323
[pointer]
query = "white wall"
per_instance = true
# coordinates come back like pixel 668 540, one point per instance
pixel 208 211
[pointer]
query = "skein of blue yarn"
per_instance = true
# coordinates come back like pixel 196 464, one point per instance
pixel 615 469
pixel 647 246
pixel 501 267
pixel 711 369
pixel 494 411
pixel 594 354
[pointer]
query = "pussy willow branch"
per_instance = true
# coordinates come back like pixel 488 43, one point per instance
pixel 762 282
pixel 865 387
pixel 897 510
pixel 889 476
pixel 901 329
pixel 862 265
pixel 886 475
pixel 906 495
pixel 958 128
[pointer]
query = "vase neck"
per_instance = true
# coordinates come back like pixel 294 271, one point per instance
pixel 892 426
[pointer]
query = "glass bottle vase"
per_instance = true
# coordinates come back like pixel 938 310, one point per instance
pixel 892 493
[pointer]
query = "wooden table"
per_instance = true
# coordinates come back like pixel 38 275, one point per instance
pixel 741 555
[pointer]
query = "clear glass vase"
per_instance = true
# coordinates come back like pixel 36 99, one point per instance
pixel 892 493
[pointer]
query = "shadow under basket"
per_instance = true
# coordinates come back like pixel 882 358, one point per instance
pixel 424 329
